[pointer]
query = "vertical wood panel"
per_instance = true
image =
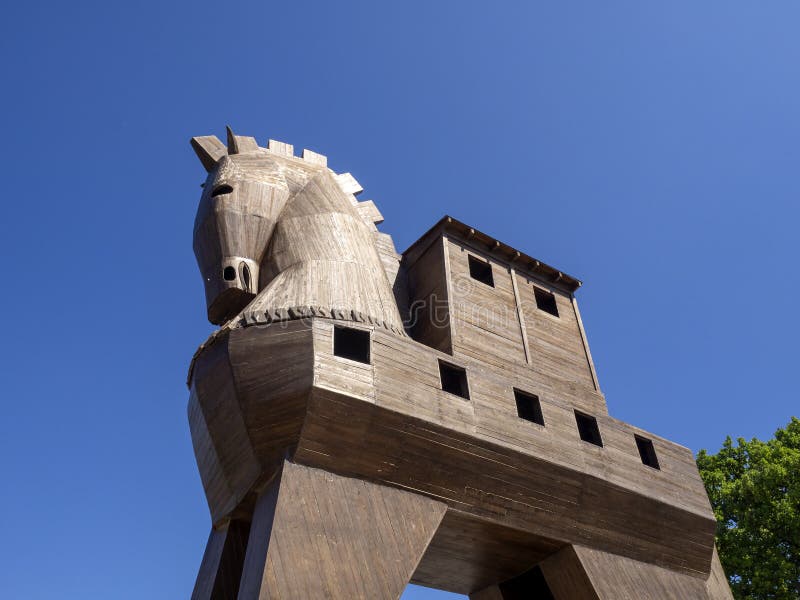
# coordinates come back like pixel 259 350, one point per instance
pixel 221 569
pixel 520 316
pixel 320 535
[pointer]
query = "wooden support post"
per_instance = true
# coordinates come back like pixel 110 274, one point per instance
pixel 579 573
pixel 221 568
pixel 319 535
pixel 520 316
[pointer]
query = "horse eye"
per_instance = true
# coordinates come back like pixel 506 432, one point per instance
pixel 221 189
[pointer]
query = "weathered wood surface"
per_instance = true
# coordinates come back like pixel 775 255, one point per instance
pixel 717 583
pixel 287 254
pixel 583 573
pixel 274 232
pixel 319 535
pixel 578 573
pixel 221 569
pixel 398 427
pixel 479 551
pixel 535 497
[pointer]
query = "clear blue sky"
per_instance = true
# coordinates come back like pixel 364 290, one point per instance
pixel 650 149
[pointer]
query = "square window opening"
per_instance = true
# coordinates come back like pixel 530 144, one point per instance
pixel 454 380
pixel 481 270
pixel 351 343
pixel 545 301
pixel 528 407
pixel 647 452
pixel 588 429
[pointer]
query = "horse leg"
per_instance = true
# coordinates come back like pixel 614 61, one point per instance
pixel 319 535
pixel 221 568
pixel 578 573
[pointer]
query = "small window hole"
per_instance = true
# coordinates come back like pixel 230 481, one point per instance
pixel 454 379
pixel 481 270
pixel 229 274
pixel 545 301
pixel 352 344
pixel 587 428
pixel 647 452
pixel 528 407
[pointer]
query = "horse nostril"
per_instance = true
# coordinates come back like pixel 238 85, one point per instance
pixel 221 189
pixel 245 274
pixel 229 273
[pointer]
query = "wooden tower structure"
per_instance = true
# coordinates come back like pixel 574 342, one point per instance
pixel 362 418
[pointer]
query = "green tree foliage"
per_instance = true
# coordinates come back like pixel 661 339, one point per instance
pixel 754 488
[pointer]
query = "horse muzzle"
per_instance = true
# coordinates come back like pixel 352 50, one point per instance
pixel 232 289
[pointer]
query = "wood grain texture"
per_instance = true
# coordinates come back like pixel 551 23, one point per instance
pixel 221 569
pixel 223 448
pixel 499 329
pixel 429 313
pixel 717 586
pixel 588 574
pixel 491 592
pixel 326 455
pixel 480 551
pixel 276 231
pixel 334 537
pixel 567 578
pixel 533 496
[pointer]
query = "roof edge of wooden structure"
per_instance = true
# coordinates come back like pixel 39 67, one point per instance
pixel 521 262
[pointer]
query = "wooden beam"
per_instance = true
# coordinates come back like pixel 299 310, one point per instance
pixel 320 535
pixel 520 316
pixel 223 559
pixel 313 157
pixel 580 573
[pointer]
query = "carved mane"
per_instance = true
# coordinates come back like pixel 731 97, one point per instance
pixel 323 254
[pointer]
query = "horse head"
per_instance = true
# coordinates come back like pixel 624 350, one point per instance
pixel 242 198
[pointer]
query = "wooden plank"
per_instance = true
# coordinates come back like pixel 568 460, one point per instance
pixel 348 184
pixel 281 148
pixel 566 577
pixel 225 455
pixel 221 569
pixel 319 535
pixel 313 157
pixel 462 544
pixel 717 586
pixel 209 150
pixel 520 317
pixel 585 574
pixel 585 343
pixel 369 212
pixel 530 495
pixel 448 276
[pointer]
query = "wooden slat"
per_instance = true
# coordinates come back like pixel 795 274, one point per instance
pixel 319 535
pixel 280 148
pixel 313 157
pixel 221 569
pixel 583 573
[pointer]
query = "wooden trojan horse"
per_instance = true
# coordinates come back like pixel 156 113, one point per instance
pixel 363 419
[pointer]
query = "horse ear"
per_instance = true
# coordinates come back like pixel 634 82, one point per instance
pixel 209 150
pixel 233 143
